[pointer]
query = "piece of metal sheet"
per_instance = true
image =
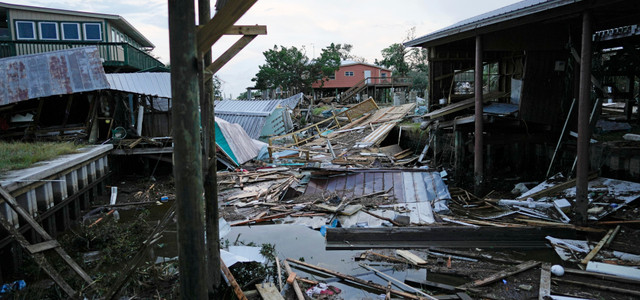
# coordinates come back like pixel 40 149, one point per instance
pixel 52 73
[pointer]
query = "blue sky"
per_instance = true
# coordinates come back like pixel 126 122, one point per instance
pixel 369 25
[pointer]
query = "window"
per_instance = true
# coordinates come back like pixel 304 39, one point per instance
pixel 48 30
pixel 332 76
pixel 70 31
pixel 92 31
pixel 348 73
pixel 26 30
pixel 464 82
pixel 383 75
pixel 4 24
pixel 490 78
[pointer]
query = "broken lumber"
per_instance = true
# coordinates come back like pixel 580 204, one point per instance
pixel 268 291
pixel 382 218
pixel 376 286
pixel 296 287
pixel 395 280
pixel 545 281
pixel 599 286
pixel 602 276
pixel 232 281
pixel 597 248
pixel 414 259
pixel 502 274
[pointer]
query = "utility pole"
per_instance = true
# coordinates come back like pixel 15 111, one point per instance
pixel 187 155
pixel 210 179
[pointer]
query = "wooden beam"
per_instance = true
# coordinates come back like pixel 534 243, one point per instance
pixel 502 274
pixel 211 32
pixel 246 30
pixel 228 55
pixel 545 281
pixel 597 248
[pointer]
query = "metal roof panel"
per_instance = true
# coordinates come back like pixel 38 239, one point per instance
pixel 51 73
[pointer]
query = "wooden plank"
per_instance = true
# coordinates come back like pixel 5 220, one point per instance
pixel 232 281
pixel 432 284
pixel 502 274
pixel 600 287
pixel 268 291
pixel 559 187
pixel 463 296
pixel 545 281
pixel 398 187
pixel 296 287
pixel 373 285
pixel 228 15
pixel 246 30
pixel 602 276
pixel 463 105
pixel 396 281
pixel 597 248
pixel 44 246
pixel 414 259
pixel 222 60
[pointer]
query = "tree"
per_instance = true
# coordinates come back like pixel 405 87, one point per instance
pixel 291 70
pixel 410 62
pixel 394 57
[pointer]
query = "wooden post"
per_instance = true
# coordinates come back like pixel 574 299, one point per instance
pixel 187 156
pixel 478 165
pixel 210 179
pixel 584 134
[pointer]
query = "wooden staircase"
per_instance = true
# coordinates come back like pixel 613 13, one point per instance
pixel 353 91
pixel 37 250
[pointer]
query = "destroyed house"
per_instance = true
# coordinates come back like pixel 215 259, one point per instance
pixel 29 30
pixel 526 100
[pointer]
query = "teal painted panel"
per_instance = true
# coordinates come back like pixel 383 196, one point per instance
pixel 221 141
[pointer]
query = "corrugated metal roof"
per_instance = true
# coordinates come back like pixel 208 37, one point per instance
pixel 251 124
pixel 51 73
pixel 151 84
pixel 406 186
pixel 509 12
pixel 252 114
pixel 246 107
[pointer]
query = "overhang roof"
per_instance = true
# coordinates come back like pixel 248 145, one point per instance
pixel 116 20
pixel 507 13
pixel 150 84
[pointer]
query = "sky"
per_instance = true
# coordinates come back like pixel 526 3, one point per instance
pixel 368 25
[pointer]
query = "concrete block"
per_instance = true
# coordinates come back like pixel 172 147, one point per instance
pixel 9 214
pixel 91 171
pixel 83 177
pixel 72 182
pixel 59 189
pixel 44 196
pixel 28 202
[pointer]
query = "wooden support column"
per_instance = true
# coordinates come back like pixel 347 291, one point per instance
pixel 212 231
pixel 478 164
pixel 584 130
pixel 187 153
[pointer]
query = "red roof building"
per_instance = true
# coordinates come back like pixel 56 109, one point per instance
pixel 351 73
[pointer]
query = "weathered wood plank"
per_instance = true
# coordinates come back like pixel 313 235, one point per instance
pixel 211 32
pixel 545 281
pixel 414 259
pixel 502 274
pixel 268 291
pixel 44 246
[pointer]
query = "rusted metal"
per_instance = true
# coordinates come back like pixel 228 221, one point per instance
pixel 52 73
pixel 187 156
pixel 478 164
pixel 584 130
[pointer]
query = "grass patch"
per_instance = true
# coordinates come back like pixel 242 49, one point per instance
pixel 318 110
pixel 18 155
